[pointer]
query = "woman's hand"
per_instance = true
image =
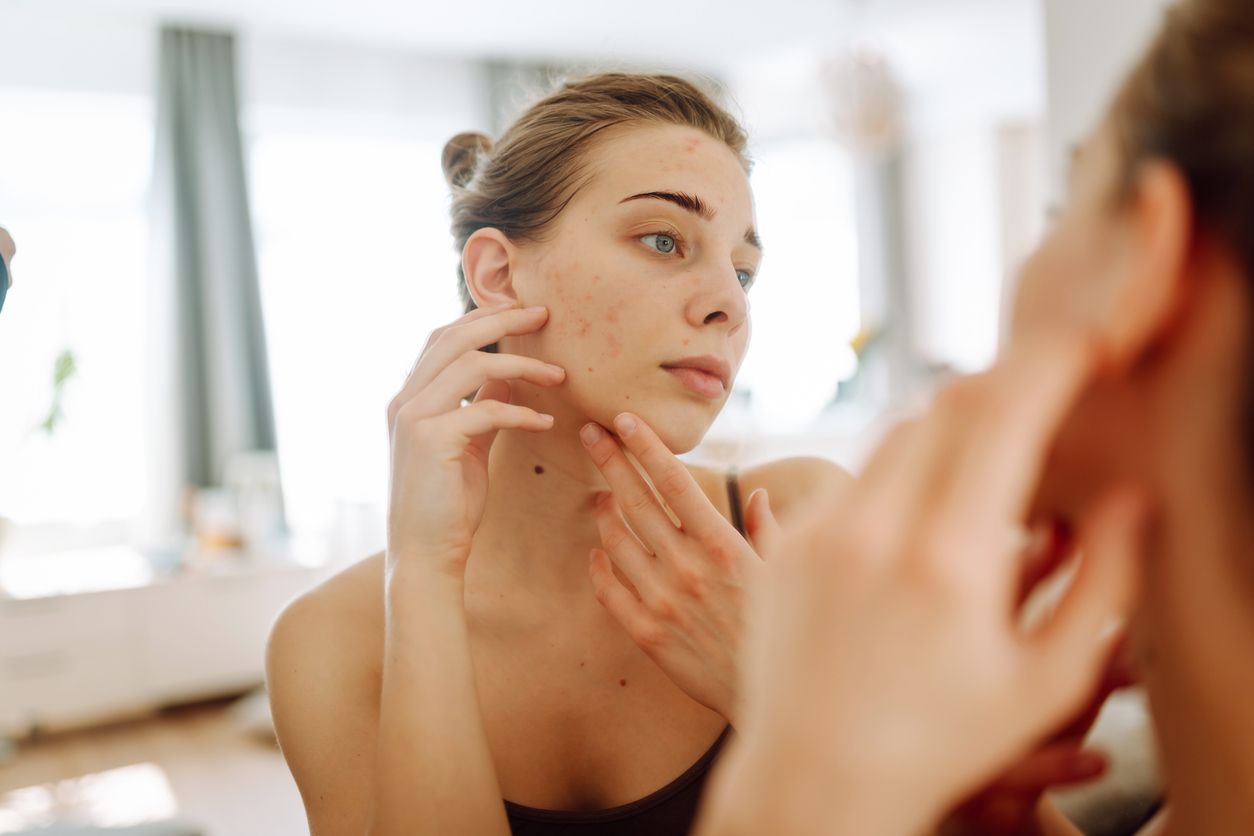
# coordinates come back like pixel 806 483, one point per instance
pixel 1011 804
pixel 685 604
pixel 888 677
pixel 439 478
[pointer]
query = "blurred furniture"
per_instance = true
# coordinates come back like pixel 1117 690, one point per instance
pixel 72 658
pixel 172 828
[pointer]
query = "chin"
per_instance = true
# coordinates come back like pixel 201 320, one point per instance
pixel 681 426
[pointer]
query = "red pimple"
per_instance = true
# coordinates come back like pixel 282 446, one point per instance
pixel 612 316
pixel 622 683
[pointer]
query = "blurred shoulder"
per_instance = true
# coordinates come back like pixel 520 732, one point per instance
pixel 790 482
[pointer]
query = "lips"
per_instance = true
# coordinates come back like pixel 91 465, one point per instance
pixel 708 375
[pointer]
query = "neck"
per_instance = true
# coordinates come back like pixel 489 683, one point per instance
pixel 538 526
pixel 1196 623
pixel 1198 628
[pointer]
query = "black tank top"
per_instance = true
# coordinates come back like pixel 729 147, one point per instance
pixel 670 811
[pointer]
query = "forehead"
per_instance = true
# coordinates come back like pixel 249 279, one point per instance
pixel 632 159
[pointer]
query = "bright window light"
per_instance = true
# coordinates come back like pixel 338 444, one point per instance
pixel 76 205
pixel 805 302
pixel 357 268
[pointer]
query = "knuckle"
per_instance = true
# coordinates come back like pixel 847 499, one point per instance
pixel 674 483
pixel 691 581
pixel 639 501
pixel 665 608
pixel 615 539
pixel 649 635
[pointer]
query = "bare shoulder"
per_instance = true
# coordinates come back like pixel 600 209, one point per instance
pixel 790 482
pixel 323 663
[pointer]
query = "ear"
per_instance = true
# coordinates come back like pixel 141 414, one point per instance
pixel 1159 228
pixel 488 263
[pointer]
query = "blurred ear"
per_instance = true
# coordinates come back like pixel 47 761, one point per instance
pixel 1159 230
pixel 488 261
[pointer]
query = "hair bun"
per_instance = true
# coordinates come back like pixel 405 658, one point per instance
pixel 461 155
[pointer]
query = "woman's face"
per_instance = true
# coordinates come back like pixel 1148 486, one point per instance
pixel 645 274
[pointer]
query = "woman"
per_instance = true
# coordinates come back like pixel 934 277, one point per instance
pixel 607 246
pixel 1122 404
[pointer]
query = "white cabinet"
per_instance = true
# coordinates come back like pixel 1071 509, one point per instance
pixel 69 660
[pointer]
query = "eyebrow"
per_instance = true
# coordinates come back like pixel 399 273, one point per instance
pixel 696 206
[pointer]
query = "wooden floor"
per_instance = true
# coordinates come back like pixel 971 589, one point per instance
pixel 200 765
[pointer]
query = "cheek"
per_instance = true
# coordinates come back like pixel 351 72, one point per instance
pixel 588 324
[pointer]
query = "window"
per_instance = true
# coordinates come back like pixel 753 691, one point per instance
pixel 357 268
pixel 76 205
pixel 805 303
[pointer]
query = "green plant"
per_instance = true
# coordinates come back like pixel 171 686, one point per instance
pixel 63 369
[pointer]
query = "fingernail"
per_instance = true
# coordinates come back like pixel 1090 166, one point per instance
pixel 591 434
pixel 625 424
pixel 536 309
pixel 557 369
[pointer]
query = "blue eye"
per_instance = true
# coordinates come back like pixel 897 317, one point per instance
pixel 746 278
pixel 663 243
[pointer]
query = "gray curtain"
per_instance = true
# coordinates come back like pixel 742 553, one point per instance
pixel 219 374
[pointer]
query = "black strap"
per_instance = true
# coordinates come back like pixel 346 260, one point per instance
pixel 733 499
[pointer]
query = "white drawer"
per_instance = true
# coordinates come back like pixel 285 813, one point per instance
pixel 55 687
pixel 42 623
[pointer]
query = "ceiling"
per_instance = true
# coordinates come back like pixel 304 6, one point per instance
pixel 700 33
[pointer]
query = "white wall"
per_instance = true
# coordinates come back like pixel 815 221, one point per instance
pixel 85 52
pixel 1089 47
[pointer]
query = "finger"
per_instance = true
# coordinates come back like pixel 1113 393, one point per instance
pixel 668 474
pixel 462 425
pixel 1114 677
pixel 623 547
pixel 610 592
pixel 1070 650
pixel 763 529
pixel 474 368
pixel 1056 765
pixel 472 332
pixel 1049 548
pixel 1000 425
pixel 634 496
pixel 894 486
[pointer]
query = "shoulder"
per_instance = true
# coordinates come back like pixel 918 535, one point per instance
pixel 323 673
pixel 790 482
pixel 340 613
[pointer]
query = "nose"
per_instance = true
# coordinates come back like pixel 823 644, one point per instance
pixel 719 301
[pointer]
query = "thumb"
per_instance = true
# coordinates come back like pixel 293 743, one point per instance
pixel 760 523
pixel 1073 648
